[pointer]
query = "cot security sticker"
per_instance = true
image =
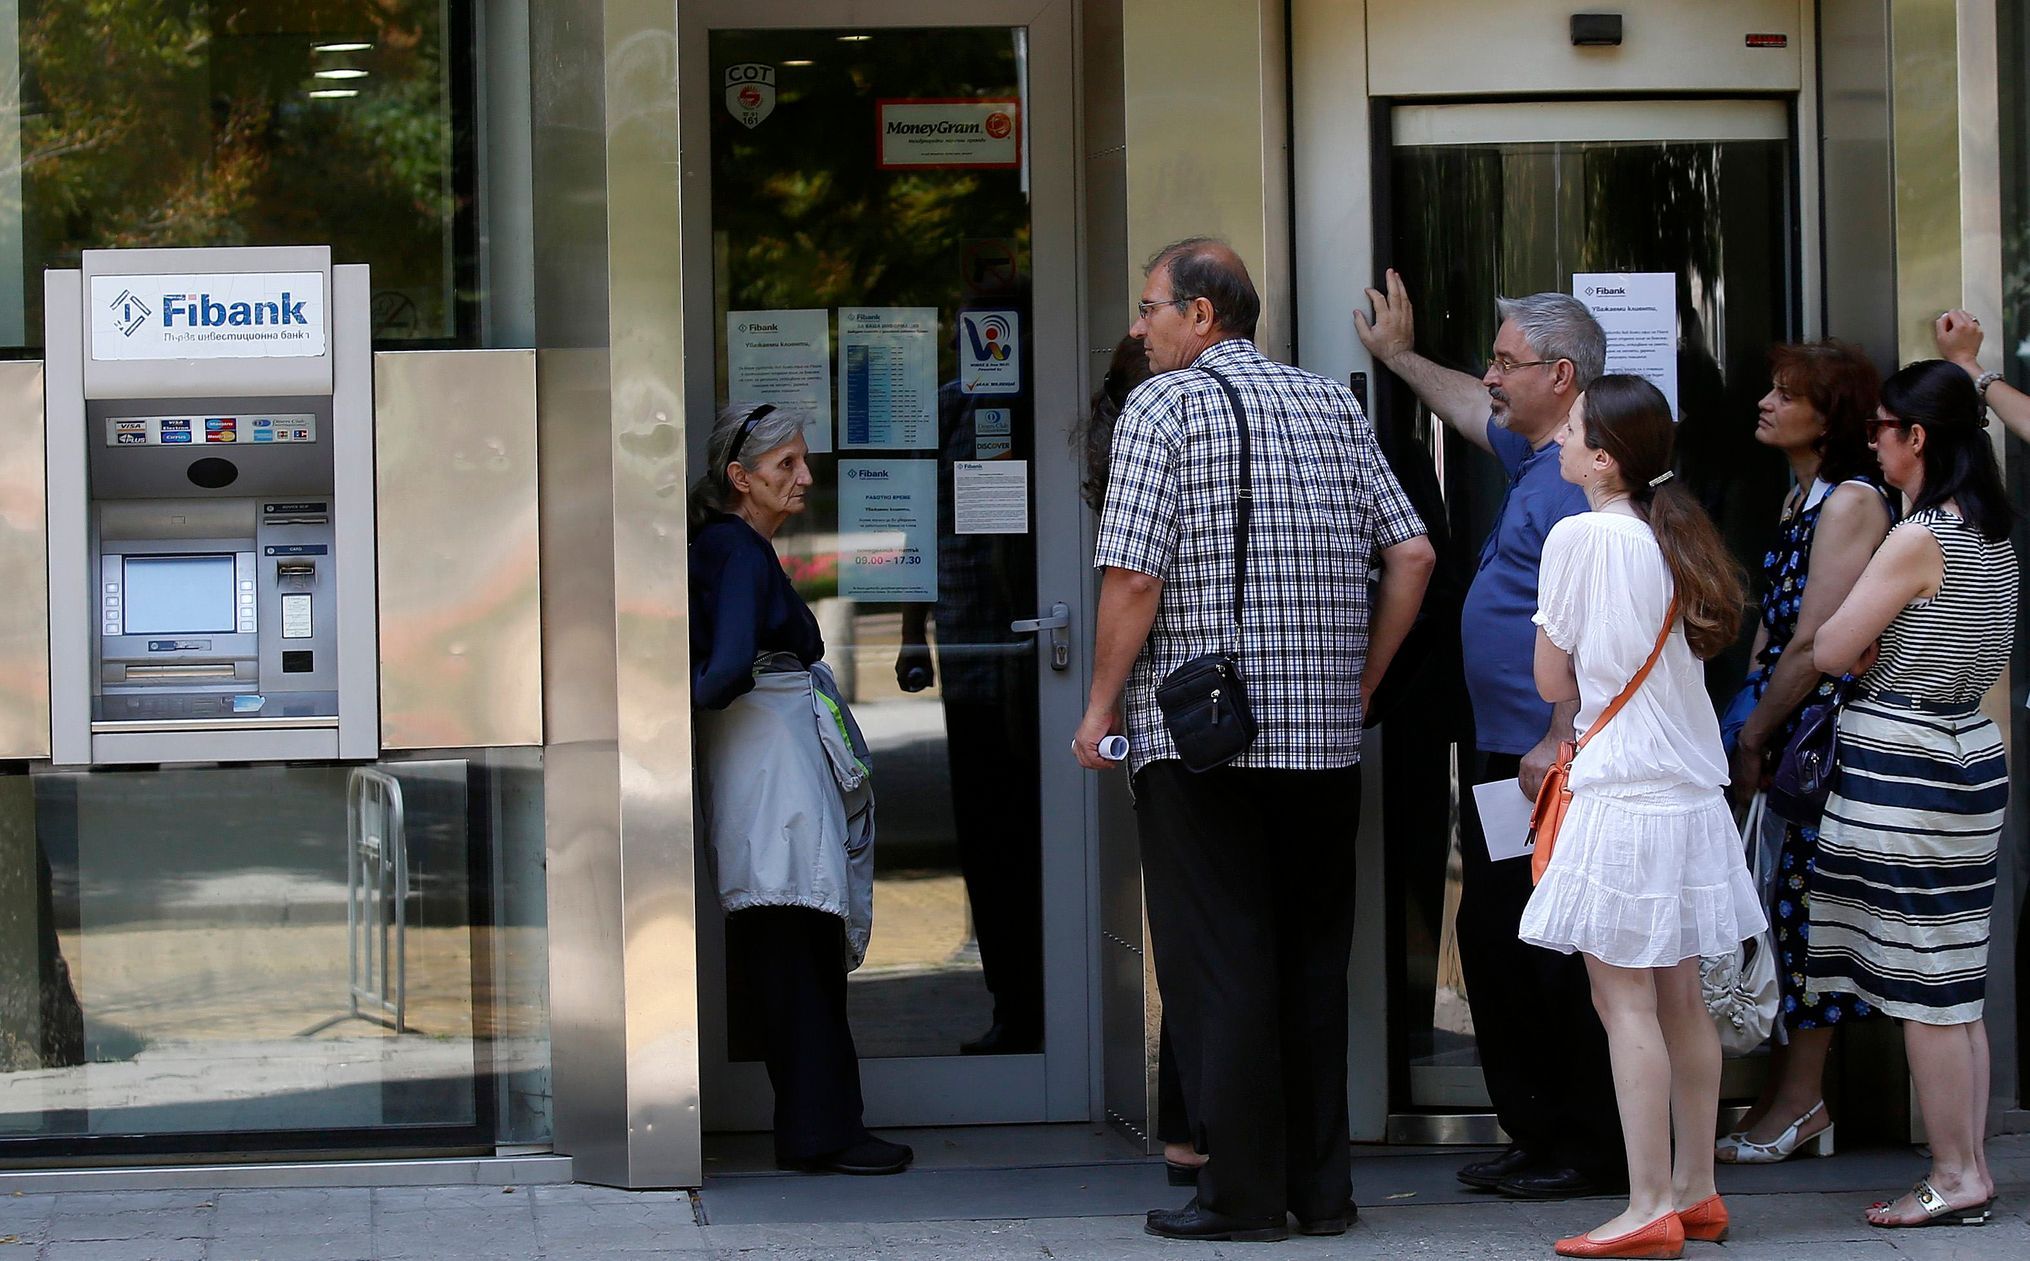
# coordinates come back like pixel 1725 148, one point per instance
pixel 750 92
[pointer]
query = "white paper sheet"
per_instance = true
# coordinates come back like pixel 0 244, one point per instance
pixel 990 497
pixel 784 358
pixel 1639 312
pixel 888 378
pixel 888 530
pixel 1504 818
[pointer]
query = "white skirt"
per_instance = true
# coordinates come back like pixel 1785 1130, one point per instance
pixel 1645 881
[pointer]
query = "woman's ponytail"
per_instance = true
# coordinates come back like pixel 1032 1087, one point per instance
pixel 1628 418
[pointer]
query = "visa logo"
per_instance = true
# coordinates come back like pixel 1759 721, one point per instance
pixel 200 310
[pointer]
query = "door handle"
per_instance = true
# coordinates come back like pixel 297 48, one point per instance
pixel 1058 623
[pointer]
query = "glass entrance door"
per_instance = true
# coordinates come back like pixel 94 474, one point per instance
pixel 1507 199
pixel 879 234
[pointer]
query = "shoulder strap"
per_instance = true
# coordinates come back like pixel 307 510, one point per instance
pixel 1670 619
pixel 1244 503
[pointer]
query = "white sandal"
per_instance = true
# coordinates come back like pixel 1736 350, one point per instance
pixel 1786 1144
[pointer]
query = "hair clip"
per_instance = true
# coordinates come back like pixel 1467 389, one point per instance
pixel 1661 478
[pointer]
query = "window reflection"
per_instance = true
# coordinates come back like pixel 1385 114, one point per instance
pixel 241 122
pixel 178 947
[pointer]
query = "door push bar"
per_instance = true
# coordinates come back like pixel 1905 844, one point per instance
pixel 1059 626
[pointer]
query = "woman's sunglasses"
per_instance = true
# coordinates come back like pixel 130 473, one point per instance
pixel 1877 424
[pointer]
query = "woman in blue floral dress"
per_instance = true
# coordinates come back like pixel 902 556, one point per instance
pixel 1816 413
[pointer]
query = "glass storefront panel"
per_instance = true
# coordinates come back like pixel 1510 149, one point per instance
pixel 847 260
pixel 1470 221
pixel 284 957
pixel 243 122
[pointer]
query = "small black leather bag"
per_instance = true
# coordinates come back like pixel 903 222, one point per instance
pixel 1204 703
pixel 1803 778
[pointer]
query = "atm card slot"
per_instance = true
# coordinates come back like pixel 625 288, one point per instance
pixel 140 673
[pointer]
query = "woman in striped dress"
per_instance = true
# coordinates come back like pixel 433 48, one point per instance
pixel 1906 870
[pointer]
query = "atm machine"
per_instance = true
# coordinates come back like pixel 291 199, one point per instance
pixel 210 478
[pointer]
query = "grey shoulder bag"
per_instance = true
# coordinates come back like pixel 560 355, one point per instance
pixel 1204 703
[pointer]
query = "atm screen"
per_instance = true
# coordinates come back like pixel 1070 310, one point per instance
pixel 178 595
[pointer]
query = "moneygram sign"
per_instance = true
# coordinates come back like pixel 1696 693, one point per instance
pixel 950 133
pixel 230 315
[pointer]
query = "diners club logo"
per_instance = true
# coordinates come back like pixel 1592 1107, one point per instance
pixel 750 92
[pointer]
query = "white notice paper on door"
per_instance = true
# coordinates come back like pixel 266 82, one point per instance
pixel 888 530
pixel 888 378
pixel 990 497
pixel 784 358
pixel 1504 818
pixel 1639 313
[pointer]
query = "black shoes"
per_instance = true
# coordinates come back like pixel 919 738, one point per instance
pixel 1552 1184
pixel 869 1157
pixel 1193 1222
pixel 1005 1038
pixel 1491 1173
pixel 1331 1224
pixel 1515 1173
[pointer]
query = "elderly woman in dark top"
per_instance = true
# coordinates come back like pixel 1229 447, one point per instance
pixel 1816 413
pixel 782 779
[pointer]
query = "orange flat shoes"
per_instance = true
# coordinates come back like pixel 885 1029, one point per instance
pixel 1705 1221
pixel 1663 1238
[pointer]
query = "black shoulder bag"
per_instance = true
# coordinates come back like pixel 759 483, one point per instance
pixel 1204 703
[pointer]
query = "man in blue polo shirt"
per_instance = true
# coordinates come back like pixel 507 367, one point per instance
pixel 1553 1092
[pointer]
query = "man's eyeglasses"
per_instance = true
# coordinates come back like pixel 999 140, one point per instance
pixel 1142 309
pixel 1876 424
pixel 1503 365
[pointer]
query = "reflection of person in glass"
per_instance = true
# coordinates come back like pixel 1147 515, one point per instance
pixel 783 778
pixel 987 676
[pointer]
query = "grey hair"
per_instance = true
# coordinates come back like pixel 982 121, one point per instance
pixel 712 492
pixel 1558 326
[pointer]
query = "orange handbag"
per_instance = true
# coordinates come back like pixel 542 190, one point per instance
pixel 1554 796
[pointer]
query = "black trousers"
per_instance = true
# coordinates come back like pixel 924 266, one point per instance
pixel 1249 878
pixel 1542 1049
pixel 786 969
pixel 991 751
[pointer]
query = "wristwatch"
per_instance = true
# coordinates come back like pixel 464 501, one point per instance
pixel 1982 382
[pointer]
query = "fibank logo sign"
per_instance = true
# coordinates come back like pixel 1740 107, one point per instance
pixel 133 312
pixel 867 474
pixel 236 315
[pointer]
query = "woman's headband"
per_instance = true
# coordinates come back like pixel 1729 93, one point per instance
pixel 746 431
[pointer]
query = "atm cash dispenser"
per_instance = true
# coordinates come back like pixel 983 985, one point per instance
pixel 211 507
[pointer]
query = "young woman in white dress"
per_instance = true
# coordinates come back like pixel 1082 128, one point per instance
pixel 1647 873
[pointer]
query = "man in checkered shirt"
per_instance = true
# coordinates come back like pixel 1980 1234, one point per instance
pixel 1249 867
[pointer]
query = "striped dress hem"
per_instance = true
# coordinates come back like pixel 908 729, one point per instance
pixel 1905 878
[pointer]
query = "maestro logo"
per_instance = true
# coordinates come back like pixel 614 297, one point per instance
pixel 133 312
pixel 750 92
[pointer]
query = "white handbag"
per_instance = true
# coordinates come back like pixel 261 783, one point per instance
pixel 1740 987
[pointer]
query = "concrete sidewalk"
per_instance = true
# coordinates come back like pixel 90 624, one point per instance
pixel 1800 1212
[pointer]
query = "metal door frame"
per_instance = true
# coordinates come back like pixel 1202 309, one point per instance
pixel 947 1090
